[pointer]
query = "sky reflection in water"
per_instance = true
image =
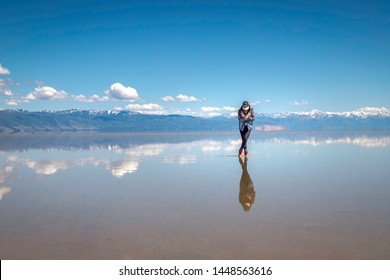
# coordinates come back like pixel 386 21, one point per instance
pixel 186 196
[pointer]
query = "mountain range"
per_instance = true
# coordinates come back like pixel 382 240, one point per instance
pixel 22 121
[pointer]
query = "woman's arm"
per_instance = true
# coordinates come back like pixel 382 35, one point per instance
pixel 250 115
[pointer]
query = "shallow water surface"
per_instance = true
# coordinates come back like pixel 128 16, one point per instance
pixel 188 196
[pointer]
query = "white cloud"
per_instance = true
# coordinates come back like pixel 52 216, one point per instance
pixel 186 98
pixel 92 98
pixel 210 109
pixel 4 71
pixel 213 114
pixel 150 108
pixel 168 99
pixel 180 98
pixel 299 102
pixel 253 103
pixel 11 102
pixel 4 88
pixel 46 93
pixel 180 111
pixel 228 108
pixel 7 92
pixel 120 92
pixel 214 111
pixel 39 83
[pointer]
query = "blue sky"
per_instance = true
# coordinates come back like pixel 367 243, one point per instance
pixel 194 57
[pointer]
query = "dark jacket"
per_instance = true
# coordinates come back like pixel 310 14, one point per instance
pixel 242 122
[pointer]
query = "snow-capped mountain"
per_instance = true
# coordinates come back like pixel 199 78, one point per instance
pixel 367 118
pixel 368 112
pixel 360 113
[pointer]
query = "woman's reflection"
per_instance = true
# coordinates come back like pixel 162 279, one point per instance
pixel 247 191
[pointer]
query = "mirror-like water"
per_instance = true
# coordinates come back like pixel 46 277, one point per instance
pixel 188 196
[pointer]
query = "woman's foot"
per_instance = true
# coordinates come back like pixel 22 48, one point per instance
pixel 246 153
pixel 240 152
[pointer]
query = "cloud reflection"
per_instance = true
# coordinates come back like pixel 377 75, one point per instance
pixel 47 167
pixel 4 175
pixel 125 159
pixel 4 191
pixel 186 159
pixel 211 146
pixel 4 172
pixel 121 167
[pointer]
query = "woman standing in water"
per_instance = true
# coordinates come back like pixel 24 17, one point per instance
pixel 246 116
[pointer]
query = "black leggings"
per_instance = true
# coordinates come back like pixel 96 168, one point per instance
pixel 244 136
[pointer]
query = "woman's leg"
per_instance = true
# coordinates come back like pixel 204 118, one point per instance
pixel 246 137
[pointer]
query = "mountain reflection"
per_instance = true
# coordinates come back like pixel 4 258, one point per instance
pixel 363 141
pixel 154 144
pixel 247 193
pixel 123 154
